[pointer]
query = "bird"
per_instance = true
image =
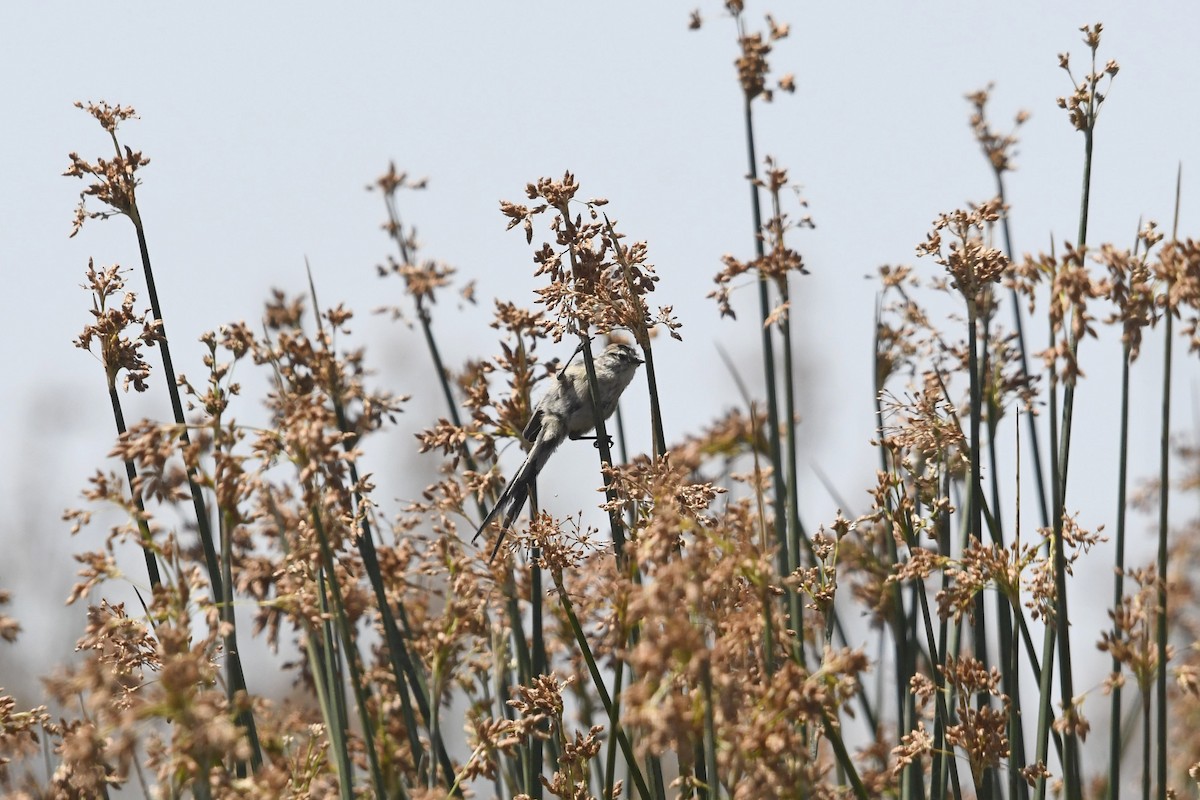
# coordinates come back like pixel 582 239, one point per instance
pixel 565 411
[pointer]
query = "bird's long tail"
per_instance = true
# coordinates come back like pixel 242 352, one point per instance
pixel 513 498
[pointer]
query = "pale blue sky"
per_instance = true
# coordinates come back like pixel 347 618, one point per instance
pixel 265 122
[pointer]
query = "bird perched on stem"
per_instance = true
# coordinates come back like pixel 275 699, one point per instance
pixel 565 411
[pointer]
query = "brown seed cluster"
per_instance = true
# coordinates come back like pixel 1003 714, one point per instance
pixel 778 261
pixel 112 181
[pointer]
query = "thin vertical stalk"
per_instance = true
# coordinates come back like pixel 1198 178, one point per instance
pixel 512 606
pixel 1164 495
pixel 1072 773
pixel 237 678
pixel 245 717
pixel 1049 639
pixel 713 782
pixel 396 231
pixel 794 531
pixel 334 706
pixel 351 653
pixel 1148 741
pixel 1114 739
pixel 585 650
pixel 533 778
pixel 1035 446
pixel 975 531
pixel 1006 628
pixel 768 350
pixel 225 609
pixel 902 637
pixel 1017 787
pixel 604 450
pixel 203 523
pixel 1164 490
pixel 131 476
pixel 404 671
pixel 643 337
pixel 614 721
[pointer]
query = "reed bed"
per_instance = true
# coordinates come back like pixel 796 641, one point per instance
pixel 705 641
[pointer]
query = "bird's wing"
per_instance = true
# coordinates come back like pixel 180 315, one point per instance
pixel 534 427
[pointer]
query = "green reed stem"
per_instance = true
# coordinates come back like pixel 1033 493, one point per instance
pixel 585 650
pixel 768 350
pixel 993 525
pixel 1114 739
pixel 614 721
pixel 396 231
pixel 1049 639
pixel 643 338
pixel 618 535
pixel 1147 746
pixel 795 532
pixel 346 633
pixel 902 633
pixel 1004 607
pixel 536 763
pixel 202 519
pixel 328 680
pixel 131 475
pixel 1072 771
pixel 404 670
pixel 203 523
pixel 1164 494
pixel 1035 445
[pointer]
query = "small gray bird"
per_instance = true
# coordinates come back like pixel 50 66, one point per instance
pixel 565 411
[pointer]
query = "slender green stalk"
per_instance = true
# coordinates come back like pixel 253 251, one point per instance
pixel 598 681
pixel 779 501
pixel 1148 741
pixel 1049 639
pixel 975 531
pixel 1004 606
pixel 1072 771
pixel 203 523
pixel 603 442
pixel 533 783
pixel 712 780
pixel 1017 787
pixel 403 665
pixel 618 535
pixel 794 531
pixel 345 631
pixel 1164 495
pixel 1114 739
pixel 614 722
pixel 328 680
pixel 833 732
pixel 512 605
pixel 131 476
pixel 396 231
pixel 902 635
pixel 644 342
pixel 1035 445
pixel 226 610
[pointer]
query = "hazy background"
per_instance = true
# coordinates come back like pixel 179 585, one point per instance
pixel 264 124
